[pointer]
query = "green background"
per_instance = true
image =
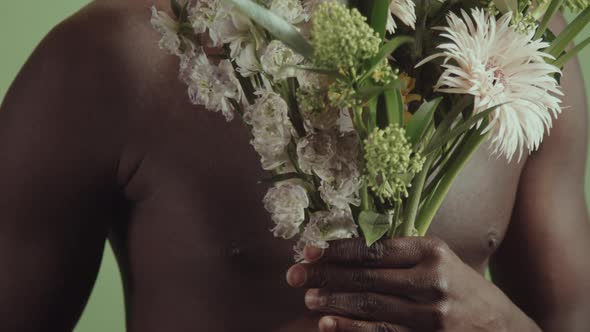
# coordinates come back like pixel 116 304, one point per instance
pixel 22 25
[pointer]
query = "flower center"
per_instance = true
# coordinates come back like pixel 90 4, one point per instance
pixel 498 76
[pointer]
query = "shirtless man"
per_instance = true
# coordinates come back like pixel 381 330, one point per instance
pixel 98 141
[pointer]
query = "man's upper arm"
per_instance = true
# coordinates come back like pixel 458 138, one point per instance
pixel 542 264
pixel 56 167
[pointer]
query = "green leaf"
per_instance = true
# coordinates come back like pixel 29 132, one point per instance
pixel 569 33
pixel 421 120
pixel 506 5
pixel 386 50
pixel 460 129
pixel 374 225
pixel 429 208
pixel 394 106
pixel 548 16
pixel 371 91
pixel 275 24
pixel 566 57
pixel 379 16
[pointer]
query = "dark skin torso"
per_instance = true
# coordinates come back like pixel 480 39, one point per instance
pixel 124 155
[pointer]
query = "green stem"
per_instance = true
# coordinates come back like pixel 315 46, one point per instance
pixel 411 209
pixel 392 233
pixel 365 204
pixel 551 10
pixel 565 58
pixel 569 33
pixel 429 209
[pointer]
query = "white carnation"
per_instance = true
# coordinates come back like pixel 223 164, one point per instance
pixel 279 60
pixel 342 193
pixel 225 25
pixel 271 128
pixel 168 28
pixel 308 79
pixel 316 152
pixel 329 155
pixel 286 202
pixel 213 85
pixel 325 226
pixel 291 10
pixel 325 119
pixel 247 61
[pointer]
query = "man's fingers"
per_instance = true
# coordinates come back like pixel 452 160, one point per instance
pixel 369 307
pixel 395 253
pixel 341 324
pixel 403 282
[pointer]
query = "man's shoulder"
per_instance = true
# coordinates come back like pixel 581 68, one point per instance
pixel 116 40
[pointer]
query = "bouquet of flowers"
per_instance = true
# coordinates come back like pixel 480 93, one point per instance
pixel 364 112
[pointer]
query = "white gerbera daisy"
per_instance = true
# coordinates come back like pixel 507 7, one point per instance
pixel 405 11
pixel 496 64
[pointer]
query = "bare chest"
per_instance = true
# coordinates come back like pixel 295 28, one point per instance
pixel 199 229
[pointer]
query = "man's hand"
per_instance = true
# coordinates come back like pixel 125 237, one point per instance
pixel 405 284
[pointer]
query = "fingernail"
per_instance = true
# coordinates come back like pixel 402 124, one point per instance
pixel 327 324
pixel 296 276
pixel 312 299
pixel 312 254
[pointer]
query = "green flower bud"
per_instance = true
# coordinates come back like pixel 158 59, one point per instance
pixel 391 164
pixel 341 37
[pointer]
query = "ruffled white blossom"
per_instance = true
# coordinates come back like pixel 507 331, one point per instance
pixel 342 193
pixel 247 61
pixel 279 61
pixel 333 157
pixel 291 10
pixel 225 25
pixel 308 79
pixel 316 153
pixel 286 202
pixel 498 65
pixel 325 226
pixel 405 11
pixel 325 119
pixel 213 85
pixel 168 28
pixel 345 122
pixel 271 128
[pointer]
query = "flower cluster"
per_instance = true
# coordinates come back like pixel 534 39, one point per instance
pixel 286 203
pixel 391 163
pixel 271 129
pixel 341 37
pixel 333 106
